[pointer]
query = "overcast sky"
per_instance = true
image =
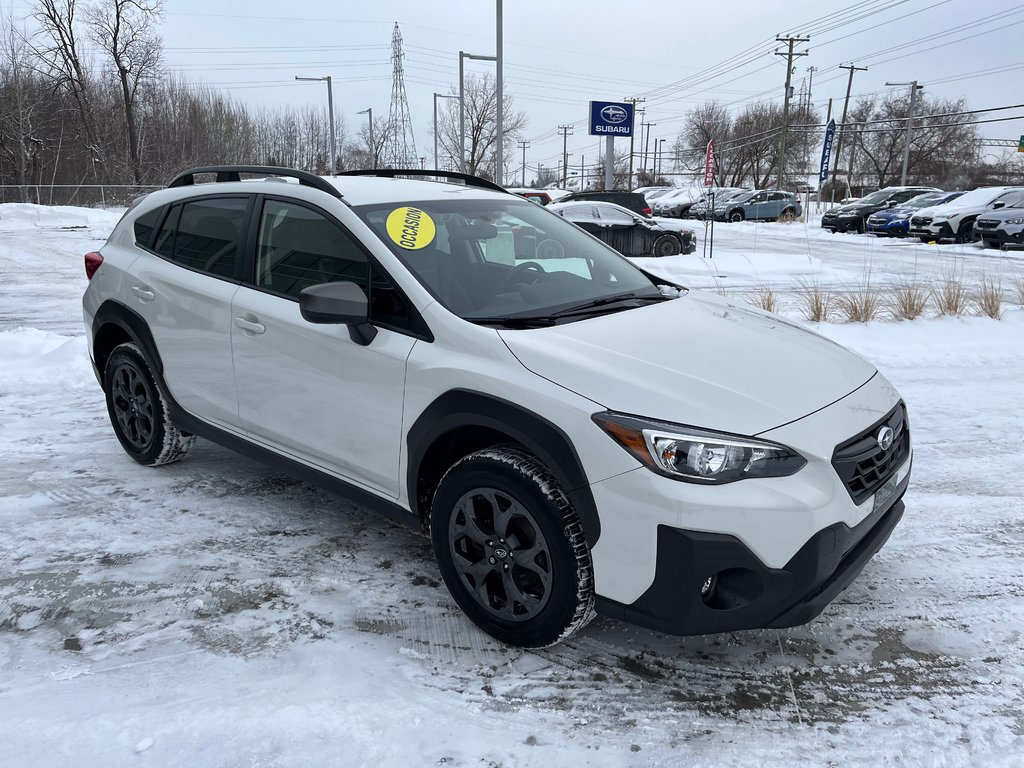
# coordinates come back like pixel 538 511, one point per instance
pixel 560 55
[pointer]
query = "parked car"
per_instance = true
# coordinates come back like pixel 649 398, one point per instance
pixel 627 233
pixel 634 201
pixel 574 434
pixel 955 221
pixel 1001 227
pixel 699 209
pixel 673 204
pixel 764 205
pixel 652 193
pixel 533 195
pixel 895 222
pixel 853 216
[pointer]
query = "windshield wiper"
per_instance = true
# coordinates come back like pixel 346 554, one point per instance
pixel 523 321
pixel 589 306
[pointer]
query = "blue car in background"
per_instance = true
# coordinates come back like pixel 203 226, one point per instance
pixel 764 204
pixel 895 222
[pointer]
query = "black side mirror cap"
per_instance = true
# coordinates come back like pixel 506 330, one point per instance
pixel 340 303
pixel 998 204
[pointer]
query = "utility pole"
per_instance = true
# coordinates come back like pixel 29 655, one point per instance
pixel 566 131
pixel 790 54
pixel 842 125
pixel 523 144
pixel 499 150
pixel 914 88
pixel 330 116
pixel 373 147
pixel 634 101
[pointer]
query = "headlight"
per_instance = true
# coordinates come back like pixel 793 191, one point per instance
pixel 1015 221
pixel 847 215
pixel 697 455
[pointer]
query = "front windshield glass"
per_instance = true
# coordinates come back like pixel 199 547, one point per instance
pixel 736 197
pixel 923 201
pixel 875 197
pixel 492 259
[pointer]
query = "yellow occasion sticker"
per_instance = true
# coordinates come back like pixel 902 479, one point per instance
pixel 411 228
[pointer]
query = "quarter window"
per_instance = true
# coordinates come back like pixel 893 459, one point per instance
pixel 144 226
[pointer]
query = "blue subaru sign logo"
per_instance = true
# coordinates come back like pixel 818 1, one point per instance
pixel 611 118
pixel 613 114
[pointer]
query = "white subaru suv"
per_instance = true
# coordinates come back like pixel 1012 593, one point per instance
pixel 575 434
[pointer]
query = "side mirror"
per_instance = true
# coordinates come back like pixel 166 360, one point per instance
pixel 890 203
pixel 998 204
pixel 341 303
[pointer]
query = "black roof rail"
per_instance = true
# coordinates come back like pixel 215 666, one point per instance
pixel 233 173
pixel 469 179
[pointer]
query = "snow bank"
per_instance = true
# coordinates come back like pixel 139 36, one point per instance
pixel 22 216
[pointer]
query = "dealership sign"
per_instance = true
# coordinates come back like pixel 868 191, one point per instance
pixel 611 118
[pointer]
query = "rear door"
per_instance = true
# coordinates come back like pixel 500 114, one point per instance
pixel 621 232
pixel 184 294
pixel 309 390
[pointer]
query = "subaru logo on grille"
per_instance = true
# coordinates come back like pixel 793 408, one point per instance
pixel 885 437
pixel 613 114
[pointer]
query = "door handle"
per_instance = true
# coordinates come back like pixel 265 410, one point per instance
pixel 143 293
pixel 250 325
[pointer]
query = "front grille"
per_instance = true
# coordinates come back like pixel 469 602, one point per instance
pixel 875 220
pixel 861 463
pixel 985 224
pixel 921 221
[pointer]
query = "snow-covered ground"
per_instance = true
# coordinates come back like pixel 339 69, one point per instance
pixel 215 613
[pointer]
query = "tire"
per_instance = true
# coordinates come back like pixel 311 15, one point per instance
pixel 138 410
pixel 667 245
pixel 736 215
pixel 925 240
pixel 965 234
pixel 787 215
pixel 534 549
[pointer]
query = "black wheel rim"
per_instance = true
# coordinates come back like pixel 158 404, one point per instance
pixel 500 554
pixel 667 248
pixel 132 402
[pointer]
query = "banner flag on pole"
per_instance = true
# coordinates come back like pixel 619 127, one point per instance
pixel 826 151
pixel 709 165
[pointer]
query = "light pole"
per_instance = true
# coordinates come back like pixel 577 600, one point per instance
pixel 436 97
pixel 914 88
pixel 658 157
pixel 462 103
pixel 647 147
pixel 499 150
pixel 373 147
pixel 330 115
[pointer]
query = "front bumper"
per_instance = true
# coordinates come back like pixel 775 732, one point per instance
pixel 745 594
pixel 998 236
pixel 836 224
pixel 891 227
pixel 780 548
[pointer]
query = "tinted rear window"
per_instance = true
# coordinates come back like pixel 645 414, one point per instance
pixel 144 226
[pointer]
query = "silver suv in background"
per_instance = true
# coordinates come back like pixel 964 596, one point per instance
pixel 1001 228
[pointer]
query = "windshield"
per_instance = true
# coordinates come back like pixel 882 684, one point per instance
pixel 493 259
pixel 980 196
pixel 736 197
pixel 875 197
pixel 923 201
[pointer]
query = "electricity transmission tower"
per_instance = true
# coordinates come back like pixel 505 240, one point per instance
pixel 400 147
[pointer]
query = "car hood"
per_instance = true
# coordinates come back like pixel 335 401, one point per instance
pixel 1003 214
pixel 698 360
pixel 856 209
pixel 675 225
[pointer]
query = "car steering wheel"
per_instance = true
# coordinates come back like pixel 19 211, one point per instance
pixel 518 272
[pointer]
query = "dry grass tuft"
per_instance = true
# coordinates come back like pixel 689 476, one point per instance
pixel 764 297
pixel 860 304
pixel 908 299
pixel 989 297
pixel 816 301
pixel 1019 285
pixel 950 294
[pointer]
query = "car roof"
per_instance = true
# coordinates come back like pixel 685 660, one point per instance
pixel 355 190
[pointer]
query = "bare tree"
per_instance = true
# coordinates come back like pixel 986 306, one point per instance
pixel 126 31
pixel 58 50
pixel 23 107
pixel 481 109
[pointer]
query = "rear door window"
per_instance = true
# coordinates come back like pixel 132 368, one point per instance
pixel 204 234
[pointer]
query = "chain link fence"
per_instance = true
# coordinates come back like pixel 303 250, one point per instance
pixel 83 195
